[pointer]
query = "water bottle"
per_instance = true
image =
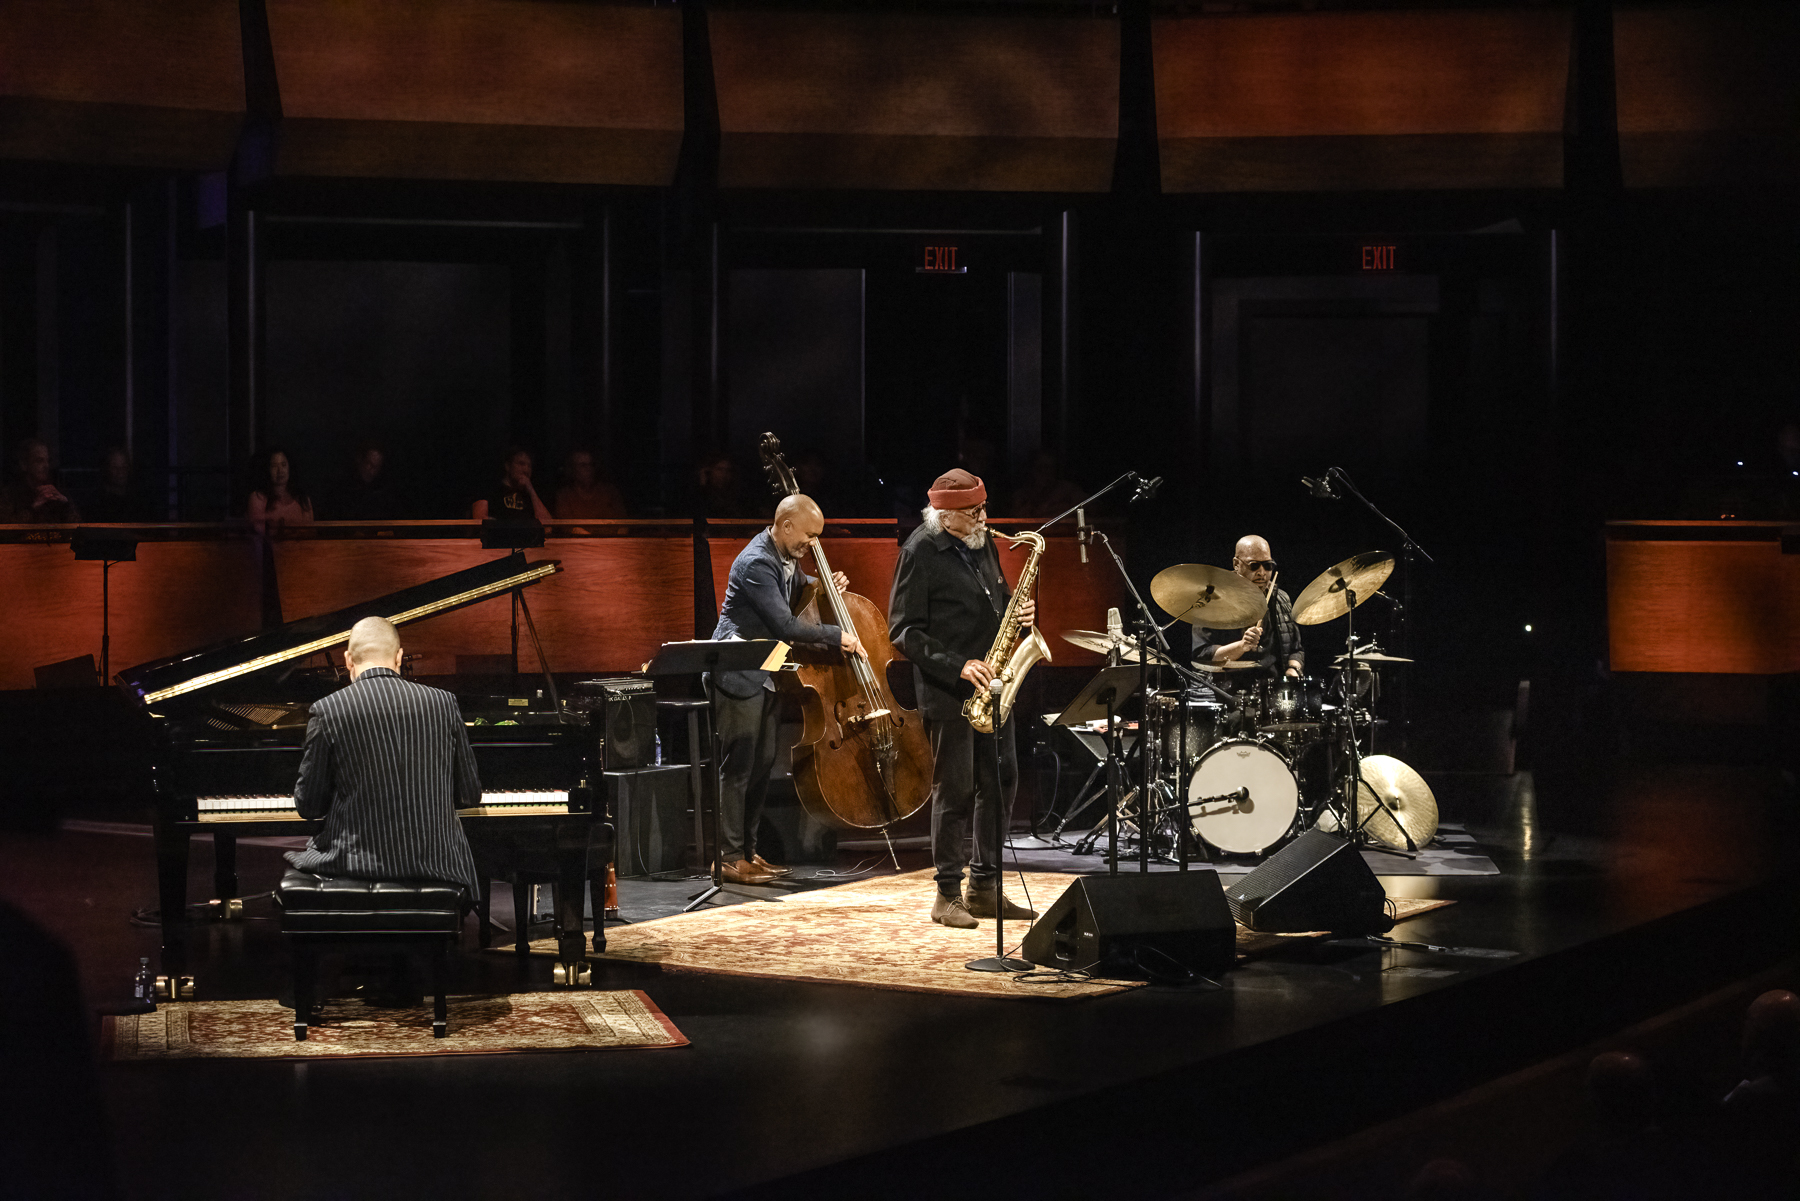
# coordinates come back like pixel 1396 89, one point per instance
pixel 143 989
pixel 659 748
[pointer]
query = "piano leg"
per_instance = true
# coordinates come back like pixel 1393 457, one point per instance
pixel 597 898
pixel 522 915
pixel 571 943
pixel 171 895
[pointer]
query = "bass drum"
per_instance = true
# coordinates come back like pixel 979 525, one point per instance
pixel 1252 826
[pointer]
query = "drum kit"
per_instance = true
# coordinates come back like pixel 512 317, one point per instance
pixel 1245 757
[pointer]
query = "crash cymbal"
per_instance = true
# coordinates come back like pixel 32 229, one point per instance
pixel 1102 644
pixel 1208 596
pixel 1325 598
pixel 1234 665
pixel 1391 796
pixel 1374 657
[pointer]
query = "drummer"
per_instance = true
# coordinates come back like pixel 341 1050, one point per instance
pixel 1274 642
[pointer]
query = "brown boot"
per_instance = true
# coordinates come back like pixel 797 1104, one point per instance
pixel 743 872
pixel 980 902
pixel 950 911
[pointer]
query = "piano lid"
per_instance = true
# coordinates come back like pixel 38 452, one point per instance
pixel 236 657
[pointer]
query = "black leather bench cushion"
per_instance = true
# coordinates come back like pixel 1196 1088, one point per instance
pixel 313 904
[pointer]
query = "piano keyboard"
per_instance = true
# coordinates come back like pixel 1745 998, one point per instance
pixel 501 803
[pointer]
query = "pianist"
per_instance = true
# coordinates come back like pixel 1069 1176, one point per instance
pixel 386 764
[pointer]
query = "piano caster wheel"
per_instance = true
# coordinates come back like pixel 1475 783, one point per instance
pixel 174 988
pixel 162 988
pixel 228 911
pixel 184 990
pixel 577 975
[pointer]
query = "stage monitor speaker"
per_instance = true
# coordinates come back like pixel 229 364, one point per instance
pixel 625 709
pixel 1134 924
pixel 649 807
pixel 1316 882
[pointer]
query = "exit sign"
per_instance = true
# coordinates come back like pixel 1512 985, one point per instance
pixel 1376 257
pixel 941 260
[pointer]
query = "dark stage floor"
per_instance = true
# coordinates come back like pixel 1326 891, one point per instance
pixel 1642 893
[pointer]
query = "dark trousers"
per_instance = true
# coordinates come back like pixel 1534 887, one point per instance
pixel 963 793
pixel 747 736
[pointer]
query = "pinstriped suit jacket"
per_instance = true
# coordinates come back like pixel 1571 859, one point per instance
pixel 387 763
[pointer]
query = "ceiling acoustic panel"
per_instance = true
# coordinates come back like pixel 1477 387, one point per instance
pixel 1361 101
pixel 529 91
pixel 121 82
pixel 1708 95
pixel 918 101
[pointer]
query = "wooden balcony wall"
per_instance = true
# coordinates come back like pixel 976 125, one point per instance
pixel 121 83
pixel 892 101
pixel 510 90
pixel 1708 96
pixel 1706 597
pixel 617 599
pixel 1361 101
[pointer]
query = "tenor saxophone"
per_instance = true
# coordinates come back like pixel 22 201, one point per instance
pixel 1009 658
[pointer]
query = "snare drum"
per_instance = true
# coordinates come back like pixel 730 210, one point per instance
pixel 1294 703
pixel 1251 826
pixel 1201 722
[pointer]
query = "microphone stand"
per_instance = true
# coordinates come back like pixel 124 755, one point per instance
pixel 1408 549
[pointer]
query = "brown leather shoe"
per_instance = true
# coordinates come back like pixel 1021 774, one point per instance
pixel 980 902
pixel 774 869
pixel 743 872
pixel 950 911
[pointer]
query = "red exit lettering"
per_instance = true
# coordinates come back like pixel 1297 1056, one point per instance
pixel 940 258
pixel 1378 258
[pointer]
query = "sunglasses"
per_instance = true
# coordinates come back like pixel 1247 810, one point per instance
pixel 1258 564
pixel 972 510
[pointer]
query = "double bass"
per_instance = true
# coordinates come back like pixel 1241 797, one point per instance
pixel 862 761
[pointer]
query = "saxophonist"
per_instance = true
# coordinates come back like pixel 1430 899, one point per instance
pixel 945 612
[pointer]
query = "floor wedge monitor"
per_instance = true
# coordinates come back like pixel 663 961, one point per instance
pixel 1135 924
pixel 1316 882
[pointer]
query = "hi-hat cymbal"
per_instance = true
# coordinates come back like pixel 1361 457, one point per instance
pixel 1208 596
pixel 1327 597
pixel 1099 643
pixel 1234 665
pixel 1391 796
pixel 1374 657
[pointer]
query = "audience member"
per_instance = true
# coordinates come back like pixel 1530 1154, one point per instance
pixel 277 501
pixel 716 492
pixel 34 498
pixel 1044 493
pixel 118 498
pixel 367 492
pixel 512 499
pixel 584 493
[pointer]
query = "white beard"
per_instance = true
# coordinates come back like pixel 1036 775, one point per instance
pixel 934 521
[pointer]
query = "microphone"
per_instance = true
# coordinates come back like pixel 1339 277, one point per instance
pixel 1115 629
pixel 1320 488
pixel 1081 531
pixel 1145 489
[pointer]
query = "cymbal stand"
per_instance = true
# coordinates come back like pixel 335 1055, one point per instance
pixel 1353 827
pixel 1404 606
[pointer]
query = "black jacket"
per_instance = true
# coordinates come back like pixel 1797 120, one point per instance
pixel 943 612
pixel 387 764
pixel 757 606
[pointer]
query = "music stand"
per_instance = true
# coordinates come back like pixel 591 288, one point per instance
pixel 99 548
pixel 1104 696
pixel 706 657
pixel 517 537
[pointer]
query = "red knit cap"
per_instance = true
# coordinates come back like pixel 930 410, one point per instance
pixel 957 489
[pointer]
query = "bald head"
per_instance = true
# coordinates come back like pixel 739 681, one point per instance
pixel 374 642
pixel 1252 559
pixel 797 525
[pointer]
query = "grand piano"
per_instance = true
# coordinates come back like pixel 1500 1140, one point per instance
pixel 230 720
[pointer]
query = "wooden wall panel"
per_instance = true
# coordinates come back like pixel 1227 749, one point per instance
pixel 524 90
pixel 899 100
pixel 177 596
pixel 1719 607
pixel 1370 100
pixel 615 601
pixel 1708 95
pixel 120 82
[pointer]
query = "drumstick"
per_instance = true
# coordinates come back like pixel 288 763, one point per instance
pixel 1270 594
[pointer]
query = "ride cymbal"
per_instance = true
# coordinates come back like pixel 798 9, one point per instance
pixel 1392 796
pixel 1374 657
pixel 1234 665
pixel 1208 596
pixel 1328 595
pixel 1103 644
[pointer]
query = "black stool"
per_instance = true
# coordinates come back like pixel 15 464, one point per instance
pixel 328 913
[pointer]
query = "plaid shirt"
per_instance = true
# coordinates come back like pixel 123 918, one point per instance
pixel 1280 643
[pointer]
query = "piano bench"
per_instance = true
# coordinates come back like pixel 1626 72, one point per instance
pixel 330 913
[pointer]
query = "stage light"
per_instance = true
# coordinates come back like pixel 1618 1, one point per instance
pixel 1527 630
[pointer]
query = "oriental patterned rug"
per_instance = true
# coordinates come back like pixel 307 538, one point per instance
pixel 575 1020
pixel 877 933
